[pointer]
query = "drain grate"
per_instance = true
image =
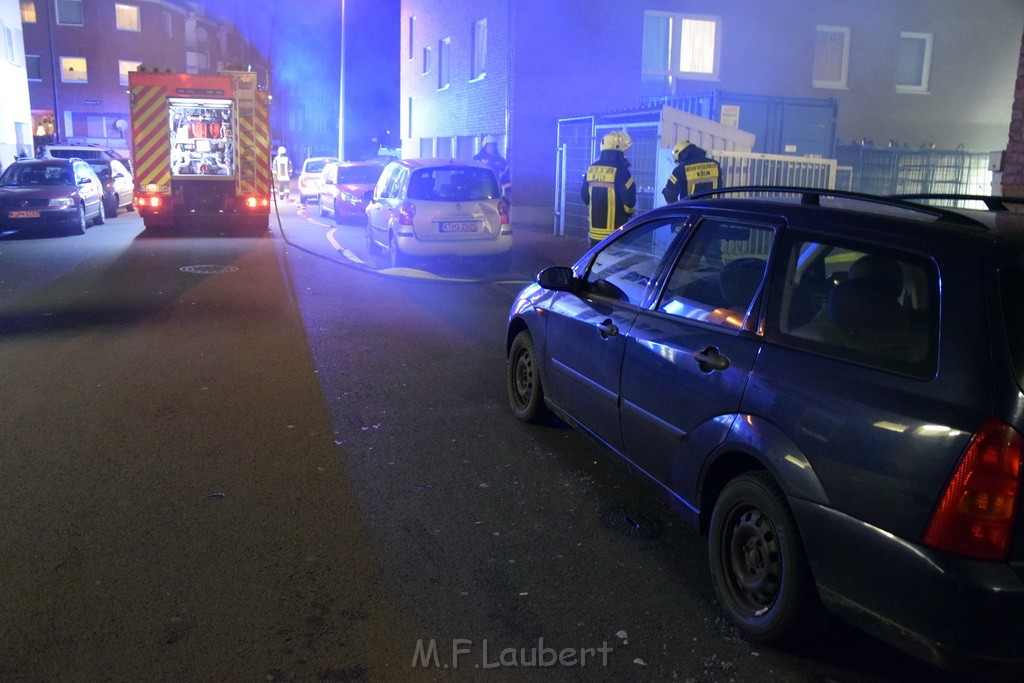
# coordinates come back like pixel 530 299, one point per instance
pixel 632 522
pixel 208 269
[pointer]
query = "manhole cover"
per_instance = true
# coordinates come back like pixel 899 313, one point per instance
pixel 208 269
pixel 632 522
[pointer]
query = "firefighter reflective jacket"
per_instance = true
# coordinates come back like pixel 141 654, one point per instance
pixel 608 189
pixel 694 173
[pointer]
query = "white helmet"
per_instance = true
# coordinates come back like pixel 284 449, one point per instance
pixel 281 150
pixel 488 139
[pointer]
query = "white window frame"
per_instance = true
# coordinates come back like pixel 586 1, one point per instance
pixel 168 25
pixel 921 87
pixel 677 26
pixel 64 21
pixel 412 37
pixel 124 66
pixel 478 57
pixel 66 67
pixel 127 17
pixel 428 58
pixel 842 83
pixel 39 69
pixel 444 66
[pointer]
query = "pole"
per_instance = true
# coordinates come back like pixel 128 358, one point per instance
pixel 341 95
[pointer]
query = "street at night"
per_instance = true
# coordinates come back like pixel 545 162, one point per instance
pixel 267 458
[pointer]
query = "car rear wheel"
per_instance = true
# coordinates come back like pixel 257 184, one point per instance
pixel 525 394
pixel 757 562
pixel 323 208
pixel 371 244
pixel 101 217
pixel 398 259
pixel 115 203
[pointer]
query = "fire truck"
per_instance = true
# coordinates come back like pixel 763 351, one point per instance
pixel 201 150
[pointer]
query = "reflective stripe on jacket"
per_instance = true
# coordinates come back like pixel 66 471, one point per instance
pixel 610 193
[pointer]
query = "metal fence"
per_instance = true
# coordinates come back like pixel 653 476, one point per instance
pixel 747 168
pixel 903 171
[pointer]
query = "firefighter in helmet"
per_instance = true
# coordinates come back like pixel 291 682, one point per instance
pixel 283 173
pixel 608 187
pixel 694 172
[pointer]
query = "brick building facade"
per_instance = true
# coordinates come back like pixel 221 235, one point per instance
pixel 1013 169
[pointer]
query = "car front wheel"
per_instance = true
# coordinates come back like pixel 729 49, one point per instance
pixel 81 224
pixel 371 244
pixel 525 394
pixel 757 562
pixel 101 217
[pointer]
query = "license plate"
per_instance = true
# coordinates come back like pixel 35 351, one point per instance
pixel 459 226
pixel 23 214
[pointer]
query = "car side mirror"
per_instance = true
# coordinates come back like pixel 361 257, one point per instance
pixel 557 278
pixel 84 181
pixel 368 196
pixel 119 175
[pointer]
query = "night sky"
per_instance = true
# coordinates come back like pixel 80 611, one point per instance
pixel 296 36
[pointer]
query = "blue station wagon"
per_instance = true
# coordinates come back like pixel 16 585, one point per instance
pixel 828 385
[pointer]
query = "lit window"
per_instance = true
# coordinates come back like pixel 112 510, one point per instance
pixel 680 46
pixel 479 68
pixel 831 57
pixel 443 58
pixel 125 66
pixel 28 11
pixel 127 17
pixel 69 13
pixel 428 58
pixel 32 69
pixel 913 62
pixel 74 70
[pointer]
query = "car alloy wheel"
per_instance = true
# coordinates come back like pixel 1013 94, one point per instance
pixel 525 394
pixel 101 217
pixel 82 224
pixel 398 259
pixel 371 244
pixel 757 562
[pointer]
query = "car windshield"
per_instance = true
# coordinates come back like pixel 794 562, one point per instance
pixel 36 175
pixel 102 170
pixel 453 184
pixel 358 175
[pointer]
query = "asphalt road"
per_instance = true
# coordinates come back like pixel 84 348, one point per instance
pixel 300 468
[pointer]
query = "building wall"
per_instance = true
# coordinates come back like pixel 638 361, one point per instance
pixel 89 111
pixel 1013 170
pixel 467 107
pixel 15 113
pixel 571 60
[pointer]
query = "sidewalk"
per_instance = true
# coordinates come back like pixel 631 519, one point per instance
pixel 538 243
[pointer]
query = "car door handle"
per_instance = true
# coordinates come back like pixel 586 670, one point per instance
pixel 607 329
pixel 710 359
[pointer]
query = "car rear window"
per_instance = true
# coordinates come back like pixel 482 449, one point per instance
pixel 858 303
pixel 315 166
pixel 358 175
pixel 1011 283
pixel 453 184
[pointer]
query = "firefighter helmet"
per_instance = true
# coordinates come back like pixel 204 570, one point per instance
pixel 280 150
pixel 489 139
pixel 680 147
pixel 617 140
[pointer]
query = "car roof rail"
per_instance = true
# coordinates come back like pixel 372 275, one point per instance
pixel 992 203
pixel 811 196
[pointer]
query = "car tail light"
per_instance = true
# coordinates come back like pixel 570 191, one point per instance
pixel 976 514
pixel 406 213
pixel 503 212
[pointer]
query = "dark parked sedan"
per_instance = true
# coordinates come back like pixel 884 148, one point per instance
pixel 50 193
pixel 829 386
pixel 343 189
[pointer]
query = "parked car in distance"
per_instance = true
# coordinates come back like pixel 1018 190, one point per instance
pixel 310 175
pixel 85 152
pixel 118 185
pixel 829 385
pixel 345 187
pixel 438 207
pixel 41 194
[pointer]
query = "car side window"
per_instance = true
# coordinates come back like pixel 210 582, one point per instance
pixel 719 273
pixel 860 303
pixel 624 268
pixel 386 183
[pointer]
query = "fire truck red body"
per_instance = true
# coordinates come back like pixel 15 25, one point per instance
pixel 201 150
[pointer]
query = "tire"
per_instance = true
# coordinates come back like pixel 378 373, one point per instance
pixel 101 217
pixel 758 565
pixel 371 244
pixel 80 227
pixel 115 204
pixel 525 393
pixel 323 210
pixel 398 259
pixel 130 206
pixel 337 214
